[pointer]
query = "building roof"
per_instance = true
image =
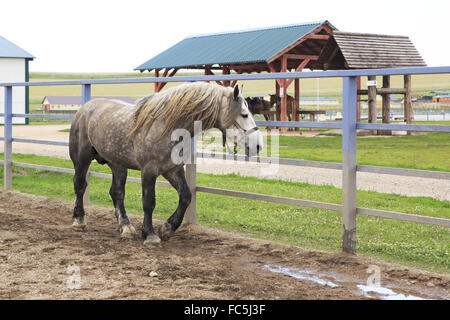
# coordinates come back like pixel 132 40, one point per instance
pixel 77 99
pixel 10 50
pixel 346 50
pixel 441 92
pixel 257 45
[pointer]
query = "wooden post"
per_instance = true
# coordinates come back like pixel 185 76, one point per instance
pixel 407 104
pixel 277 105
pixel 386 106
pixel 7 165
pixel 226 71
pixel 349 165
pixel 372 102
pixel 297 102
pixel 156 83
pixel 358 102
pixel 284 95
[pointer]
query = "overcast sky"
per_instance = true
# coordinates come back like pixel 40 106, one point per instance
pixel 117 36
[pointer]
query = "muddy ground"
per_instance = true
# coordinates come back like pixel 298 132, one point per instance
pixel 40 255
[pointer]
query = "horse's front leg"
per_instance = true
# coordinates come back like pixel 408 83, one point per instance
pixel 178 180
pixel 148 203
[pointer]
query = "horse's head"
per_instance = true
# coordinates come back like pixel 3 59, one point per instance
pixel 242 130
pixel 253 103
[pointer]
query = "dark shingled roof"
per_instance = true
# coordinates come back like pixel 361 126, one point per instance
pixel 346 50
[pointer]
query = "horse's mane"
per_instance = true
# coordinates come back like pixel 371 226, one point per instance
pixel 182 105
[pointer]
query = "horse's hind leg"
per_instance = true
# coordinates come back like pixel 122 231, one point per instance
pixel 178 180
pixel 117 193
pixel 79 185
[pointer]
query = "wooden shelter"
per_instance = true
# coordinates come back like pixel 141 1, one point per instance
pixel 274 49
pixel 316 45
pixel 345 50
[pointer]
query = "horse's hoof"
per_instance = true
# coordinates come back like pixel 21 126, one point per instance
pixel 79 224
pixel 165 231
pixel 127 231
pixel 152 241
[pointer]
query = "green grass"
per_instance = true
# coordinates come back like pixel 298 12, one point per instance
pixel 407 243
pixel 427 151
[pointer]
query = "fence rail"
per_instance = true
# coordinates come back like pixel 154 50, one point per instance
pixel 349 127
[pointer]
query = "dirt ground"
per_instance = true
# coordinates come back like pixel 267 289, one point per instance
pixel 40 255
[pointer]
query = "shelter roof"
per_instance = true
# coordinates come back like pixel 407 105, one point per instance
pixel 247 46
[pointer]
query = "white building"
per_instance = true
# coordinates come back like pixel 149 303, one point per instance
pixel 14 68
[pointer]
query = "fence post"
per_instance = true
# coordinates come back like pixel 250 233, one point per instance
pixel 7 166
pixel 191 178
pixel 349 165
pixel 85 97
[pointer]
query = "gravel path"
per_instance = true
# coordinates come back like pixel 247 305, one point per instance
pixel 408 186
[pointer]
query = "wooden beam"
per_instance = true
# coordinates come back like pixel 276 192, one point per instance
pixel 297 101
pixel 358 102
pixel 261 66
pixel 313 47
pixel 330 58
pixel 225 71
pixel 159 85
pixel 235 81
pixel 172 73
pixel 156 83
pixel 301 66
pixel 301 56
pixel 318 36
pixel 313 35
pixel 284 95
pixel 383 91
pixel 208 72
pixel 273 70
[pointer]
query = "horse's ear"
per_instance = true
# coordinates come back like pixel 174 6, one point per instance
pixel 236 92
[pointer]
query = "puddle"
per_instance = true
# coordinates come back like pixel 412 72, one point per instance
pixel 333 281
pixel 300 274
pixel 385 293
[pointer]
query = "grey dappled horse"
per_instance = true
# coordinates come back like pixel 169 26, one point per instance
pixel 138 137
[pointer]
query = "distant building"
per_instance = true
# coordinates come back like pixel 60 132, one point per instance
pixel 441 99
pixel 72 103
pixel 14 68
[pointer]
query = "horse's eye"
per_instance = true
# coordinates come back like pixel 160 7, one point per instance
pixel 244 115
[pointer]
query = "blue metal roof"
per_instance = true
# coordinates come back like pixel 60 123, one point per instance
pixel 245 46
pixel 10 50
